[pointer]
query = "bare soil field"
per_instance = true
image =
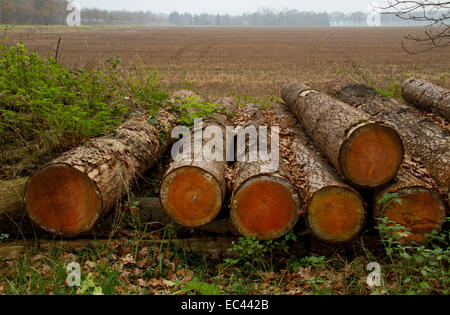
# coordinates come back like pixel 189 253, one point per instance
pixel 252 61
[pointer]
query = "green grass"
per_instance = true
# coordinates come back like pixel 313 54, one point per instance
pixel 129 266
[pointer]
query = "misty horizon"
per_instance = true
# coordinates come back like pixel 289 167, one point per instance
pixel 231 7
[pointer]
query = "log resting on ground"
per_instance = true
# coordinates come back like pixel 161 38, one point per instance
pixel 367 153
pixel 193 190
pixel 427 96
pixel 69 195
pixel 210 247
pixel 335 212
pixel 423 138
pixel 420 211
pixel 264 204
pixel 151 210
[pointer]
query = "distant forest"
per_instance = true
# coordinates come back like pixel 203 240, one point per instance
pixel 53 12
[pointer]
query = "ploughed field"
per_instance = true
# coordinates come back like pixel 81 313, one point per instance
pixel 253 61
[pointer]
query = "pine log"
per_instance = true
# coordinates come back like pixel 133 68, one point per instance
pixel 423 139
pixel 264 204
pixel 335 212
pixel 11 195
pixel 193 190
pixel 68 195
pixel 420 212
pixel 151 210
pixel 367 153
pixel 427 96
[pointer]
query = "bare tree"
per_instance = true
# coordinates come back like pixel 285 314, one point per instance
pixel 435 13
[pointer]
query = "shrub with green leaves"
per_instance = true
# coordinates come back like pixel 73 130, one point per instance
pixel 252 256
pixel 417 268
pixel 192 108
pixel 41 100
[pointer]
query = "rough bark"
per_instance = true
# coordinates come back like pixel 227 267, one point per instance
pixel 151 210
pixel 335 212
pixel 264 204
pixel 427 96
pixel 367 153
pixel 12 193
pixel 212 247
pixel 68 195
pixel 423 139
pixel 193 190
pixel 421 210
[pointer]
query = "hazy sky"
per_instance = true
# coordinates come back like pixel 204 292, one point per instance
pixel 227 6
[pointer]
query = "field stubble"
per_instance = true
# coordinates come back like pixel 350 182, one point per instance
pixel 251 61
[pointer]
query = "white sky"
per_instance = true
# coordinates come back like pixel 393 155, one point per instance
pixel 227 6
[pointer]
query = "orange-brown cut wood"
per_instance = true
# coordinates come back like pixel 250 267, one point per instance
pixel 335 212
pixel 423 138
pixel 265 207
pixel 420 211
pixel 367 153
pixel 68 196
pixel 192 192
pixel 192 196
pixel 265 204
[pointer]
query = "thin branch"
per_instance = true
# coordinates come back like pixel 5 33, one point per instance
pixel 435 13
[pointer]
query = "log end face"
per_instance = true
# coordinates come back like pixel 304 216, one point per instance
pixel 421 211
pixel 265 207
pixel 191 196
pixel 371 155
pixel 63 200
pixel 336 214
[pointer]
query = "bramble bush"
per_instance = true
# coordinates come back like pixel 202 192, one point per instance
pixel 41 100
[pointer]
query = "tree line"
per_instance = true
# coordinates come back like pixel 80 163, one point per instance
pixel 53 12
pixel 263 17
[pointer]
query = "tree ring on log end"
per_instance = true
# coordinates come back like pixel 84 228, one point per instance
pixel 191 196
pixel 265 207
pixel 62 200
pixel 336 214
pixel 371 155
pixel 421 211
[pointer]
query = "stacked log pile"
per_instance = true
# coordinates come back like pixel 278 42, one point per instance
pixel 329 148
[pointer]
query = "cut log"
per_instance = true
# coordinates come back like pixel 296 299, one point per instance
pixel 12 193
pixel 367 153
pixel 68 195
pixel 211 247
pixel 427 96
pixel 264 204
pixel 423 139
pixel 151 210
pixel 421 209
pixel 335 212
pixel 193 190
